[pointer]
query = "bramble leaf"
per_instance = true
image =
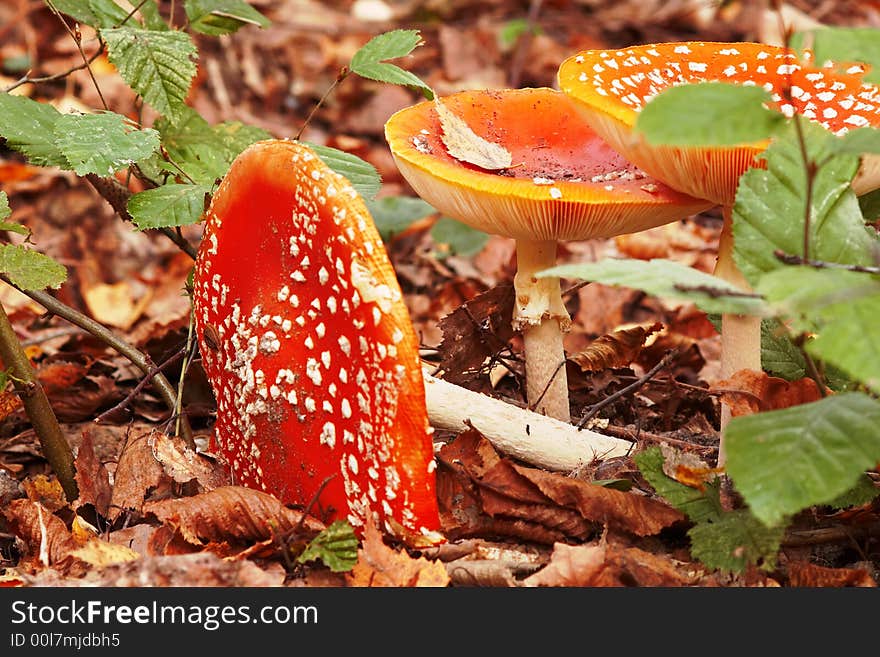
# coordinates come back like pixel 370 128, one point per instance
pixel 168 205
pixel 369 61
pixel 30 270
pixel 361 174
pixel 336 546
pixel 29 128
pixel 102 143
pixel 217 17
pixel 158 65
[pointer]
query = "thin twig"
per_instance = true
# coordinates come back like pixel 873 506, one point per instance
pixel 343 73
pixel 55 447
pixel 77 39
pixel 57 76
pixel 532 407
pixel 595 408
pixel 790 259
pixel 140 360
pixel 168 362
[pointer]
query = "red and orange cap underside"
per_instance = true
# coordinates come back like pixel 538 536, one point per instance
pixel 565 182
pixel 312 377
pixel 621 82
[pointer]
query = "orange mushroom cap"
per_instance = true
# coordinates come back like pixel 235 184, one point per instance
pixel 309 347
pixel 612 86
pixel 565 182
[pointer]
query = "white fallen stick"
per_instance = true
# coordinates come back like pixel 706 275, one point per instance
pixel 536 439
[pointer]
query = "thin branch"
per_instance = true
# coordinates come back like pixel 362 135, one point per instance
pixel 77 39
pixel 595 408
pixel 790 259
pixel 140 360
pixel 168 362
pixel 343 73
pixel 57 76
pixel 55 447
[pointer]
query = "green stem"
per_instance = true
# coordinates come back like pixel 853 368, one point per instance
pixel 55 447
pixel 143 362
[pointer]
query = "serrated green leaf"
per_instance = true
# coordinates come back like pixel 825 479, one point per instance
pixel 457 238
pixel 779 355
pixel 152 18
pixel 336 547
pixel 29 128
pixel 769 210
pixel 370 60
pixel 699 506
pixel 102 143
pixel 77 9
pixel 709 114
pixel 361 174
pixel 394 214
pixel 217 17
pixel 204 152
pixel 107 13
pixel 734 541
pixel 840 307
pixel 168 205
pixel 5 212
pixel 4 206
pixel 158 65
pixel 665 278
pixel 843 45
pixel 787 460
pixel 862 493
pixel 30 270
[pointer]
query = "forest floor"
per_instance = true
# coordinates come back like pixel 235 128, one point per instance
pixel 154 511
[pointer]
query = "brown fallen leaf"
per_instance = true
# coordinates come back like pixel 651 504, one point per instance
pixel 749 391
pixel 138 474
pixel 474 332
pixel 232 514
pixel 381 566
pixel 50 543
pixel 100 553
pixel 45 491
pixel 92 477
pixel 602 565
pixel 806 574
pixel 184 465
pixel 615 350
pixel 474 482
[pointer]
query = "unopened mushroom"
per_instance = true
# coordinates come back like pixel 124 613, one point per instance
pixel 306 342
pixel 612 86
pixel 564 183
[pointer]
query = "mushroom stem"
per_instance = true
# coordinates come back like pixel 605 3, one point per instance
pixel 740 334
pixel 541 316
pixel 541 441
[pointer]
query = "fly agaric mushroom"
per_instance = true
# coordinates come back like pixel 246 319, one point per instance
pixel 564 183
pixel 612 86
pixel 307 345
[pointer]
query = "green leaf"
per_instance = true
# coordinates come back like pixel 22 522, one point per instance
pixel 369 61
pixel 217 17
pixel 736 540
pixel 779 355
pixel 859 141
pixel 5 213
pixel 458 238
pixel 787 460
pixel 843 45
pixel 362 175
pixel 168 205
pixel 336 546
pixel 102 143
pixel 152 18
pixel 665 278
pixel 28 127
pixel 107 13
pixel 394 214
pixel 862 493
pixel 205 152
pixel 870 205
pixel 158 65
pixel 709 114
pixel 840 307
pixel 77 9
pixel 769 210
pixel 699 506
pixel 30 270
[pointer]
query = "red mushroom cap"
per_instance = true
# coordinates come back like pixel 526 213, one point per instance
pixel 565 182
pixel 308 345
pixel 612 86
